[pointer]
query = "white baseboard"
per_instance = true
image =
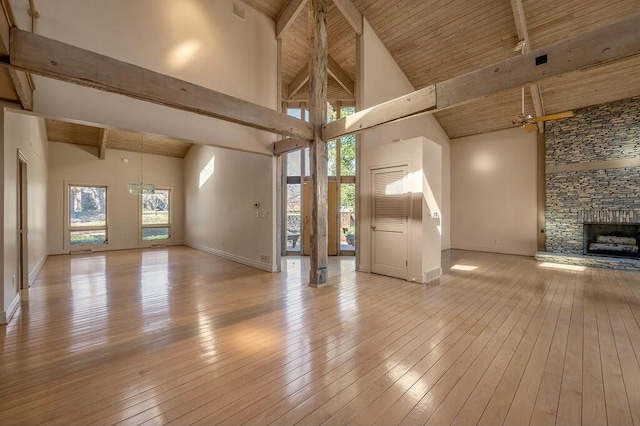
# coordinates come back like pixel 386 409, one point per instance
pixel 34 274
pixel 363 267
pixel 235 258
pixel 493 249
pixel 5 317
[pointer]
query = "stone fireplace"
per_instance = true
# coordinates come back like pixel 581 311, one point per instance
pixel 592 178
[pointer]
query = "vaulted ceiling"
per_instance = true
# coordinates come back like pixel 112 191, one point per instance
pixel 434 40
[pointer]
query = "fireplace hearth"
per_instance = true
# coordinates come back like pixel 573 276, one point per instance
pixel 619 240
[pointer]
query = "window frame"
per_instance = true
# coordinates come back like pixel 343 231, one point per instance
pixel 68 228
pixel 168 226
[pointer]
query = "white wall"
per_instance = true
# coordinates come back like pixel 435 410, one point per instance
pixel 198 41
pixel 78 164
pixel 27 134
pixel 383 80
pixel 221 187
pixel 493 192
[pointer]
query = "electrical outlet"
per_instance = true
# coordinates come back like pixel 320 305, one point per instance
pixel 435 215
pixel 264 258
pixel 497 241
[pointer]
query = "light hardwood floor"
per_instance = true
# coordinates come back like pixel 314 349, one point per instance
pixel 176 336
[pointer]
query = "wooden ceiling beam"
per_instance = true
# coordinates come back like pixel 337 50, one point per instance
pixel 339 75
pixel 288 16
pixel 288 145
pixel 523 34
pixel 54 59
pixel 602 45
pixel 102 144
pixel 298 81
pixel 351 13
pixel 22 82
pixel 335 71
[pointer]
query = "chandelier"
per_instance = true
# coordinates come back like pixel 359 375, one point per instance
pixel 141 187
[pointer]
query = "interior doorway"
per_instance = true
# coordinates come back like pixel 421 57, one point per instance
pixel 22 278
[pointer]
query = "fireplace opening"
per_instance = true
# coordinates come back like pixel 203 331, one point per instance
pixel 612 240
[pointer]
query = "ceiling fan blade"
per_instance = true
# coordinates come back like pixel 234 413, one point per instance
pixel 557 116
pixel 530 127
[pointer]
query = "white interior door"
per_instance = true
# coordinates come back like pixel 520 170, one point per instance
pixel 389 233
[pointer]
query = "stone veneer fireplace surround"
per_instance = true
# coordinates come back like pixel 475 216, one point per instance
pixel 592 176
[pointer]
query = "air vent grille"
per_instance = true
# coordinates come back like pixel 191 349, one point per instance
pixel 238 10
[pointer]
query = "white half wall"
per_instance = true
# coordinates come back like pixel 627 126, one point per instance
pixel 27 134
pixel 494 192
pixel 79 164
pixel 222 187
pixel 198 41
pixel 383 80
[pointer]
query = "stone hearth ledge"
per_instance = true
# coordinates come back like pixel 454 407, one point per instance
pixel 607 262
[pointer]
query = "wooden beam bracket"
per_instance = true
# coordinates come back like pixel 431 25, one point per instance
pixel 289 144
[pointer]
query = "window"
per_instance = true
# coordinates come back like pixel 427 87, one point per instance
pixel 87 215
pixel 156 217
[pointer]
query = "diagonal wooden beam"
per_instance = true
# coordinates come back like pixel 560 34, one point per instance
pixel 523 34
pixel 54 59
pixel 609 43
pixel 298 81
pixel 340 75
pixel 102 144
pixel 335 71
pixel 24 88
pixel 288 16
pixel 351 13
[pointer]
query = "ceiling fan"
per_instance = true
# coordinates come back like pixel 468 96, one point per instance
pixel 529 122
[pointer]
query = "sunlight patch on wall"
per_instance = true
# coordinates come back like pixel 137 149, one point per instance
pixel 483 163
pixel 183 53
pixel 207 171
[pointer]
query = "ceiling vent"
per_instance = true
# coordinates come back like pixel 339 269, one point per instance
pixel 238 10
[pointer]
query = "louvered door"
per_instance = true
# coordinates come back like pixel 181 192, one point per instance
pixel 389 222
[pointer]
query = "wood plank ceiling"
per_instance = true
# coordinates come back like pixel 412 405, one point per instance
pixel 434 40
pixel 80 134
